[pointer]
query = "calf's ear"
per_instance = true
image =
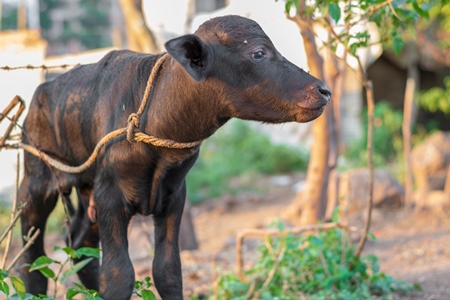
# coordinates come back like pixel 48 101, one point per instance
pixel 191 53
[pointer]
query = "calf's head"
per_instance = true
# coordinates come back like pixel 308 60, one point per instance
pixel 237 61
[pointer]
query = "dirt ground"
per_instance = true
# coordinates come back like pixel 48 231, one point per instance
pixel 413 246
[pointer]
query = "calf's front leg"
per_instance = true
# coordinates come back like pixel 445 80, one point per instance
pixel 113 215
pixel 166 263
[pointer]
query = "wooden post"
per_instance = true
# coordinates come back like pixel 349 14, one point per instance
pixel 407 128
pixel 22 16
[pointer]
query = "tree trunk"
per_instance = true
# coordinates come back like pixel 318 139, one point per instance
pixel 309 205
pixel 334 76
pixel 140 38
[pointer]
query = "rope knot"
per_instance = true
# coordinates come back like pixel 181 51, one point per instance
pixel 133 122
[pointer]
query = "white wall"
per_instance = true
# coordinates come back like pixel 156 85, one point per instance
pixel 21 48
pixel 17 48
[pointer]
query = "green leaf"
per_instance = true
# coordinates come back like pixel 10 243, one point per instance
pixel 353 48
pixel 89 252
pixel 422 12
pixel 296 4
pixel 73 270
pixel 148 295
pixel 371 236
pixel 28 296
pixel 41 262
pixel 19 286
pixel 398 45
pixel 72 292
pixel 315 241
pixel 335 11
pixel 42 297
pixel 71 252
pixel 77 267
pixel 287 6
pixel 148 281
pixel 47 272
pixel 78 285
pixel 4 288
pixel 137 285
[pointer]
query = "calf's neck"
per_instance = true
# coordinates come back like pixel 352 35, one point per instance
pixel 227 69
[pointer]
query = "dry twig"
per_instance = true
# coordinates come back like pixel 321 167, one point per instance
pixel 271 274
pixel 30 241
pixel 10 226
pixel 370 116
pixel 13 211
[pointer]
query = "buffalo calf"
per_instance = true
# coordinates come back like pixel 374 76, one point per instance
pixel 227 69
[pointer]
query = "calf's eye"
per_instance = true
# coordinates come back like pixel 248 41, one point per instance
pixel 259 55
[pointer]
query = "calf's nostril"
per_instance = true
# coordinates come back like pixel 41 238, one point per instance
pixel 324 90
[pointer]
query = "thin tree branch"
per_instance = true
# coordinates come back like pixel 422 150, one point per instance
pixel 271 274
pixel 13 210
pixel 12 222
pixel 25 248
pixel 370 111
pixel 371 12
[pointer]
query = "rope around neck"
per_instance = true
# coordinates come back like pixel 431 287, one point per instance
pixel 132 133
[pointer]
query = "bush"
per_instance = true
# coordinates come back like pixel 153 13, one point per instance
pixel 236 150
pixel 321 266
pixel 436 99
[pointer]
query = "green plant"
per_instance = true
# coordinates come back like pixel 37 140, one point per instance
pixel 141 289
pixel 236 150
pixel 314 266
pixel 42 264
pixel 15 282
pixel 436 99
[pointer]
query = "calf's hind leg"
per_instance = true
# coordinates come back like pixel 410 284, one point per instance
pixel 41 201
pixel 84 233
